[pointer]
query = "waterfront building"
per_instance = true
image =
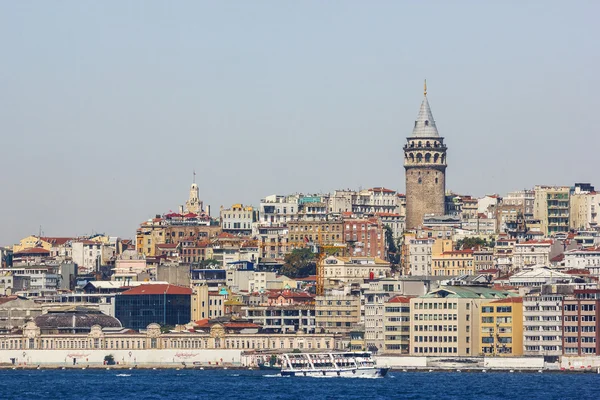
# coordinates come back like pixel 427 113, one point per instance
pixel 128 345
pixel 551 208
pixel 447 320
pixel 73 320
pixel 396 323
pixel 542 321
pixel 425 169
pixel 145 304
pixel 502 327
pixel 581 323
pixel 337 313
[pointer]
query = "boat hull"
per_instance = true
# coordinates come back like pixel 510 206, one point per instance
pixel 342 373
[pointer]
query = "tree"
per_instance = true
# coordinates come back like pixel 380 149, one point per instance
pixel 208 263
pixel 473 242
pixel 392 250
pixel 299 263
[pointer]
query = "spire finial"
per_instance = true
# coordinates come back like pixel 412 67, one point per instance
pixel 194 176
pixel 425 88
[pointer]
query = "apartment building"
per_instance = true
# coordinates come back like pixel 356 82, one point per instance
pixel 396 323
pixel 542 323
pixel 531 253
pixel 581 323
pixel 551 208
pixel 453 263
pixel 337 313
pixel 446 321
pixel 502 327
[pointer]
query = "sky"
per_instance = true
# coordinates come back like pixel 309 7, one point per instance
pixel 107 108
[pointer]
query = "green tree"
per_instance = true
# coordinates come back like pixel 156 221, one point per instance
pixel 299 263
pixel 210 262
pixel 392 250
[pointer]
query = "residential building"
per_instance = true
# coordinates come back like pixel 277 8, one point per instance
pixel 396 322
pixel 277 210
pixel 480 225
pixel 542 321
pixel 524 199
pixel 531 253
pixel 207 303
pixel 343 270
pixel 337 313
pixel 502 327
pixel 419 256
pixel 365 237
pixel 584 258
pixel 483 259
pixel 273 243
pixel 279 318
pixel 584 208
pixel 552 208
pixel 239 219
pixel 453 263
pixel 329 232
pixel 447 320
pixel 581 323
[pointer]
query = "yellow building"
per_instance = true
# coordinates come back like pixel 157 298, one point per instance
pixel 207 304
pixel 453 263
pixel 502 327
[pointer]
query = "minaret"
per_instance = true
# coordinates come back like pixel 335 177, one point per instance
pixel 425 167
pixel 194 205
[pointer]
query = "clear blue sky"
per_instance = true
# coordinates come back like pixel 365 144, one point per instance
pixel 106 107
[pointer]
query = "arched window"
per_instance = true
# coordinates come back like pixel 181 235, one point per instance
pixel 436 158
pixel 426 123
pixel 427 157
pixel 427 144
pixel 419 157
pixel 420 180
pixel 420 144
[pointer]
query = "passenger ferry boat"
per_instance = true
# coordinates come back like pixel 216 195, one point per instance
pixel 349 365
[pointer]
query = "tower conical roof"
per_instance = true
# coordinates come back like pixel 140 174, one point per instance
pixel 425 124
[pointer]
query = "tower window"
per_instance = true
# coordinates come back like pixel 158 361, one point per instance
pixel 420 180
pixel 426 123
pixel 436 180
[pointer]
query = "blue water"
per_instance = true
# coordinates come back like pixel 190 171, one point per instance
pixel 233 384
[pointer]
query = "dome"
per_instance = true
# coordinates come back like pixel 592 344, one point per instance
pixel 78 319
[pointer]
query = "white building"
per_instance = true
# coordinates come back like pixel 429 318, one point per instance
pixel 538 276
pixel 532 252
pixel 542 325
pixel 277 210
pixel 419 259
pixel 588 259
pixel 238 220
pixel 87 254
pixel 341 270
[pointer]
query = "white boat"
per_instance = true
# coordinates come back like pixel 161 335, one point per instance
pixel 348 365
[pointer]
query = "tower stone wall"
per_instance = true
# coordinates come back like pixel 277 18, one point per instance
pixel 425 169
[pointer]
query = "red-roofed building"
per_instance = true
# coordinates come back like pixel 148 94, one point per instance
pixel 365 237
pixel 163 304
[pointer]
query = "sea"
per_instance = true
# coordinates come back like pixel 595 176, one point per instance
pixel 184 384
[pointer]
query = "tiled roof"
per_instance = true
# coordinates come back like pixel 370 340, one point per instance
pixel 57 241
pixel 399 299
pixel 158 289
pixel 509 300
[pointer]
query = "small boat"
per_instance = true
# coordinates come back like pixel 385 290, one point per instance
pixel 347 365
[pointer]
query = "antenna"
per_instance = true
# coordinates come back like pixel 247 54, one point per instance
pixel 425 88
